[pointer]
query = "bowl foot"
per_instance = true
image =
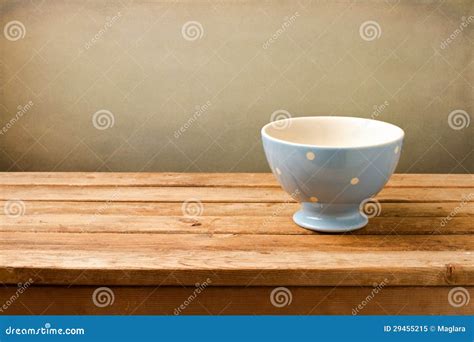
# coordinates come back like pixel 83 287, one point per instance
pixel 330 218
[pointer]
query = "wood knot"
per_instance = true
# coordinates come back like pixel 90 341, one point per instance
pixel 191 221
pixel 450 273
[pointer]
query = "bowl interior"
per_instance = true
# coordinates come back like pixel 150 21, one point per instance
pixel 333 131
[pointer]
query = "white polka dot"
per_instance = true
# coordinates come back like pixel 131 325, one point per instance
pixel 313 199
pixel 278 170
pixel 310 155
pixel 354 181
pixel 397 149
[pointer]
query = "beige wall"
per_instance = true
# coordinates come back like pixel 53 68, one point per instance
pixel 131 59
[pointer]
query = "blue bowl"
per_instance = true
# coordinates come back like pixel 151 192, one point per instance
pixel 332 166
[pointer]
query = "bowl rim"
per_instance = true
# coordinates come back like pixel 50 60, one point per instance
pixel 286 142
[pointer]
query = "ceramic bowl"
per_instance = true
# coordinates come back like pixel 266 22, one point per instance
pixel 332 166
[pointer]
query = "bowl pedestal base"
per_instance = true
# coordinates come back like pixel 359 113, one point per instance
pixel 330 218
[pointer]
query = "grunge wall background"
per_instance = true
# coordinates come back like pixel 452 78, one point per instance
pixel 187 85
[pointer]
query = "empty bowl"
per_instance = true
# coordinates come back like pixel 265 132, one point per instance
pixel 332 166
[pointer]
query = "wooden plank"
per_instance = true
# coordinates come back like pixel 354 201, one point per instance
pixel 229 300
pixel 233 242
pixel 184 259
pixel 205 179
pixel 441 209
pixel 280 225
pixel 206 194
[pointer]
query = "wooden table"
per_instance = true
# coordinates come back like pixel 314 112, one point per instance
pixel 77 232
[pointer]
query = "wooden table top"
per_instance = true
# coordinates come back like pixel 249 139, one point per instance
pixel 130 229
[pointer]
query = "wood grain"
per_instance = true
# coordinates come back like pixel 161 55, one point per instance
pixel 208 194
pixel 396 209
pixel 262 225
pixel 231 300
pixel 260 244
pixel 182 259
